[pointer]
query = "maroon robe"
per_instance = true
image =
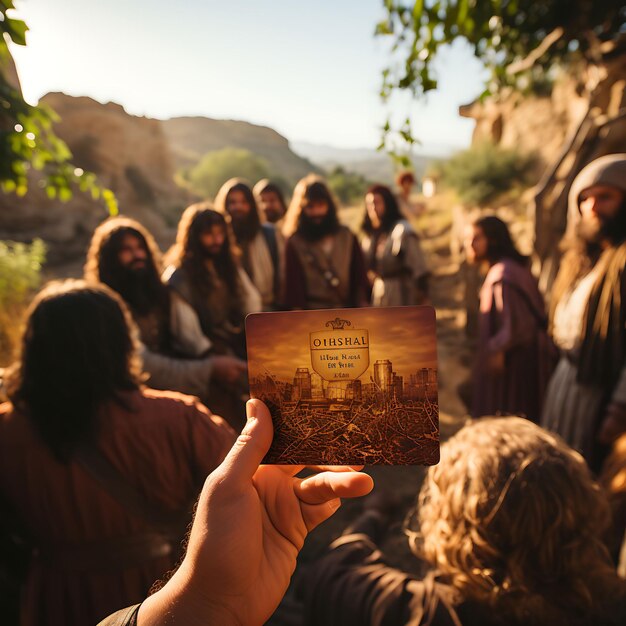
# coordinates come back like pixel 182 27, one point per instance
pixel 164 443
pixel 511 326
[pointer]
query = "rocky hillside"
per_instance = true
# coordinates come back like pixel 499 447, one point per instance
pixel 582 118
pixel 137 158
pixel 190 138
pixel 129 154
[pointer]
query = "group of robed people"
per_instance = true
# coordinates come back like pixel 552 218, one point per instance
pixel 511 522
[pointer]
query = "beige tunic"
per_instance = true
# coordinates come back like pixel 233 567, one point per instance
pixel 399 262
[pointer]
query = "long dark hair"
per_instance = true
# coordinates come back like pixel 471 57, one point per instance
pixel 78 352
pixel 310 189
pixel 188 252
pixel 499 242
pixel 103 265
pixel 253 221
pixel 392 210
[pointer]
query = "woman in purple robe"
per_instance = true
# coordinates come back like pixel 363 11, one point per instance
pixel 513 362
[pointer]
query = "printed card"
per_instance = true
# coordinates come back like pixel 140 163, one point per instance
pixel 347 386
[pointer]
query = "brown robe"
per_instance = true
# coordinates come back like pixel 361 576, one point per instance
pixel 164 443
pixel 306 265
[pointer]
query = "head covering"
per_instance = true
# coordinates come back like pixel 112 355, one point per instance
pixel 607 170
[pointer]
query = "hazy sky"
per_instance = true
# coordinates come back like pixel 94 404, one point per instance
pixel 310 70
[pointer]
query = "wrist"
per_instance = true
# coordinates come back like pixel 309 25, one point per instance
pixel 179 603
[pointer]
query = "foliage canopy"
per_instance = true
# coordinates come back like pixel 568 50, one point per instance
pixel 27 139
pixel 517 40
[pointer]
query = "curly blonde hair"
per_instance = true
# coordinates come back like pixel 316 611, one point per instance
pixel 512 519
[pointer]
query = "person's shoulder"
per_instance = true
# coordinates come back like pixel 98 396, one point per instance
pixel 174 276
pixel 157 397
pixel 403 228
pixel 164 409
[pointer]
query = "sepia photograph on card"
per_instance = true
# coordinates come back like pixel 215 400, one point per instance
pixel 347 386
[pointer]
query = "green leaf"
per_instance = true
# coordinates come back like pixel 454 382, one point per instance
pixel 16 29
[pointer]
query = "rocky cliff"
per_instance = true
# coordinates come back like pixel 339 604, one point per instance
pixel 137 158
pixel 582 118
pixel 129 154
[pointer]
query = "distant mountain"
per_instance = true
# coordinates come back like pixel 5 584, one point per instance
pixel 190 138
pixel 373 165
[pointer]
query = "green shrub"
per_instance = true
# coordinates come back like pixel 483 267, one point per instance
pixel 215 168
pixel 20 277
pixel 485 171
pixel 347 186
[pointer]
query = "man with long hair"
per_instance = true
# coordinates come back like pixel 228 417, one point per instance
pixel 261 244
pixel 510 523
pixel 392 252
pixel 324 265
pixel 205 271
pixel 175 352
pixel 586 397
pixel 270 200
pixel 102 472
pixel 514 356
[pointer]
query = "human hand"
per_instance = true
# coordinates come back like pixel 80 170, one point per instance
pixel 228 369
pixel 614 423
pixel 250 524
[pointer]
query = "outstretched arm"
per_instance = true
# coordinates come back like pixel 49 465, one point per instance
pixel 250 524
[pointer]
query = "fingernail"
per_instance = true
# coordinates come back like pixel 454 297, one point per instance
pixel 251 417
pixel 334 504
pixel 251 410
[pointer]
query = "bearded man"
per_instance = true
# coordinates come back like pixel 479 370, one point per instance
pixel 586 396
pixel 324 265
pixel 261 245
pixel 270 200
pixel 205 272
pixel 175 352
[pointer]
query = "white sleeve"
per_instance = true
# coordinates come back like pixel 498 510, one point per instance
pixel 187 335
pixel 252 302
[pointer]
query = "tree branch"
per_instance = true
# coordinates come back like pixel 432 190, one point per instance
pixel 537 53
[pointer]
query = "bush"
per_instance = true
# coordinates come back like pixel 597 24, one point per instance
pixel 484 171
pixel 20 277
pixel 347 186
pixel 215 168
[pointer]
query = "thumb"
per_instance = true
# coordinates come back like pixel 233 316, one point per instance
pixel 251 446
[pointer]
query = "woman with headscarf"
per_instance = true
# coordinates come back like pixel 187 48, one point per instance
pixel 513 358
